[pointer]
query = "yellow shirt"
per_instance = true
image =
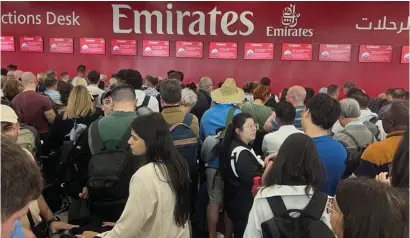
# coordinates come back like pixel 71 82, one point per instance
pixel 382 152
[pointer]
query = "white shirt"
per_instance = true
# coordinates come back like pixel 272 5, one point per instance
pixel 93 89
pixel 294 197
pixel 272 141
pixel 152 103
pixel 149 212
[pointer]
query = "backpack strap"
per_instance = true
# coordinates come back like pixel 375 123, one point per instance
pixel 236 152
pixel 316 206
pixel 255 115
pixel 230 116
pixel 352 138
pixel 31 220
pixel 123 145
pixel 235 156
pixel 277 206
pixel 374 120
pixel 96 138
pixel 146 101
pixel 188 119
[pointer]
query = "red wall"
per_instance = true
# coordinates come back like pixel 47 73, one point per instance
pixel 332 22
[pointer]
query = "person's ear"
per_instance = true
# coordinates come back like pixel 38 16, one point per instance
pixel 238 131
pixel 305 112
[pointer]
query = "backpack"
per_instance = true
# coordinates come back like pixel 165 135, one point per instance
pixel 186 142
pixel 307 225
pixel 28 138
pixel 145 102
pixel 354 155
pixel 372 125
pixel 188 145
pixel 210 147
pixel 75 157
pixel 109 174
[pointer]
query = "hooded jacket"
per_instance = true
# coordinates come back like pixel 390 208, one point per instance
pixel 365 116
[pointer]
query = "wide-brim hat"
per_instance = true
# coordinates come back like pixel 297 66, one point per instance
pixel 228 93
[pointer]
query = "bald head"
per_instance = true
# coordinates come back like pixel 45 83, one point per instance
pixel 28 79
pixel 296 95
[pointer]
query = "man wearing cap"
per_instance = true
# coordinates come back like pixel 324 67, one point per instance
pixel 34 109
pixel 225 99
pixel 134 79
pixel 9 123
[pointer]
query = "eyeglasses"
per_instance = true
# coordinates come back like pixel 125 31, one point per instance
pixel 253 126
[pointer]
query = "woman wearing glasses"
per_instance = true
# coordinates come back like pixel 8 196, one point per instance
pixel 239 165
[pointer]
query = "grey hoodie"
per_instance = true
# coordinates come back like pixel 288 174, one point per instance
pixel 365 116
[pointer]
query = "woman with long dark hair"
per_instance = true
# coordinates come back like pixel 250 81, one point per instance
pixel 295 175
pixel 239 165
pixel 364 207
pixel 158 203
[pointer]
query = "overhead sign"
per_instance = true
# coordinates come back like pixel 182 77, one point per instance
pixel 223 50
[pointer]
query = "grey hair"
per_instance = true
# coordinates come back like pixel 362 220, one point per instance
pixel 171 91
pixel 204 83
pixel 350 108
pixel 189 98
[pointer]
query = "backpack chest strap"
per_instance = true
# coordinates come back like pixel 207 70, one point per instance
pixel 235 157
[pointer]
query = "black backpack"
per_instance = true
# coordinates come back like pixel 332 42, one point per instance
pixel 307 225
pixel 354 155
pixel 145 102
pixel 374 120
pixel 75 157
pixel 109 174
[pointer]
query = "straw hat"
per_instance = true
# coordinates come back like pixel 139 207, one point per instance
pixel 228 93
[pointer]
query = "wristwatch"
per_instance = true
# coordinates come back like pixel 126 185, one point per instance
pixel 53 219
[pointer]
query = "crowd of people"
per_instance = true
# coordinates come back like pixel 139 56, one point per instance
pixel 152 157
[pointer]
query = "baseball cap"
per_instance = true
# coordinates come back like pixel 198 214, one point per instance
pixel 8 114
